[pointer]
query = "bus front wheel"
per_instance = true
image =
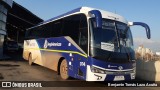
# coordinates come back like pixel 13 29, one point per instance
pixel 64 70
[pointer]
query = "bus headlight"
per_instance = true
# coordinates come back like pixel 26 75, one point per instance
pixel 97 70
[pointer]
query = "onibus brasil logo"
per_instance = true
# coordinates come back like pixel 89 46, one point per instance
pixel 48 44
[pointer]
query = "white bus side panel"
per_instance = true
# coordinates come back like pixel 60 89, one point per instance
pixel 31 47
pixel 41 56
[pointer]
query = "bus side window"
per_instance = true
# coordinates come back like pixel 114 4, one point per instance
pixel 75 26
pixel 41 32
pixel 46 32
pixel 71 27
pixel 34 33
pixel 83 33
pixel 56 28
pixel 28 34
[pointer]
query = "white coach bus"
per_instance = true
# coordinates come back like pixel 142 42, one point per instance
pixel 85 43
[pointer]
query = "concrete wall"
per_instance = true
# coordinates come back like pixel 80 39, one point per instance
pixel 148 70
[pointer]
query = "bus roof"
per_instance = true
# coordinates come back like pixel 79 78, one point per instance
pixel 105 14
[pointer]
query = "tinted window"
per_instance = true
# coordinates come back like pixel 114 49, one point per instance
pixel 56 28
pixel 33 33
pixel 44 31
pixel 76 27
pixel 83 33
pixel 71 27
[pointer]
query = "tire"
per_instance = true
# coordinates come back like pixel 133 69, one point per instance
pixel 30 59
pixel 64 70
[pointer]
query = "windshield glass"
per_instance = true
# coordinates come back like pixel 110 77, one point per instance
pixel 106 38
pixel 113 38
pixel 125 37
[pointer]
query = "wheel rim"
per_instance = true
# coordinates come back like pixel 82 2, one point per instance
pixel 64 70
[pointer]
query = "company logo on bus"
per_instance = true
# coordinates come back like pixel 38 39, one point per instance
pixel 47 44
pixel 120 67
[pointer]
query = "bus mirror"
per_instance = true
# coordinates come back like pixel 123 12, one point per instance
pixel 98 17
pixel 143 25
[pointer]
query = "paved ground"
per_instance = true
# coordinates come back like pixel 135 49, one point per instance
pixel 17 69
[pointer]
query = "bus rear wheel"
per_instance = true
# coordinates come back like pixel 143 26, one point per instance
pixel 30 59
pixel 64 70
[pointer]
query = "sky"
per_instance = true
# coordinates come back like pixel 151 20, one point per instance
pixel 133 10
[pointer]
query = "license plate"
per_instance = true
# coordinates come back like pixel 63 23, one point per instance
pixel 118 78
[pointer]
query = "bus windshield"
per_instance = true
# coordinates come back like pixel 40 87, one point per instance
pixel 114 37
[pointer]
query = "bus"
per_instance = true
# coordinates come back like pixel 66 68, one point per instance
pixel 85 43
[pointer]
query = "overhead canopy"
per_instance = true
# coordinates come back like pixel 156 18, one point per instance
pixel 18 20
pixel 21 17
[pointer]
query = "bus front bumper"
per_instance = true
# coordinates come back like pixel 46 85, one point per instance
pixel 91 76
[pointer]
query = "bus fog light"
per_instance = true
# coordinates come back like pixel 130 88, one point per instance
pixel 132 76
